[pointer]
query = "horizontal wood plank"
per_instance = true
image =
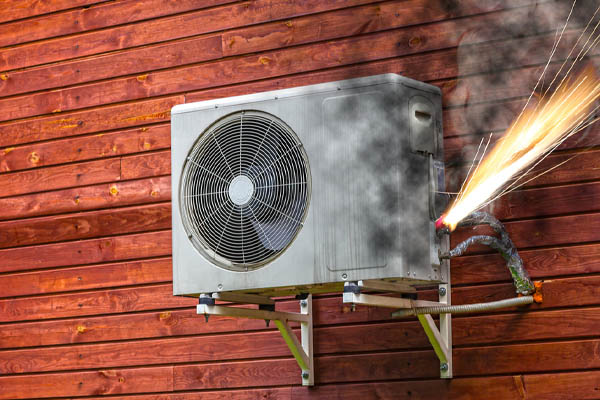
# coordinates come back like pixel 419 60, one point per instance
pixel 106 249
pixel 548 201
pixel 85 148
pixel 13 10
pixel 108 170
pixel 89 121
pixel 90 277
pixel 104 382
pixel 115 194
pixel 56 177
pixel 539 263
pixel 86 19
pixel 157 297
pixel 146 165
pixel 85 225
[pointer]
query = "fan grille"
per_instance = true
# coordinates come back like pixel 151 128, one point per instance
pixel 245 190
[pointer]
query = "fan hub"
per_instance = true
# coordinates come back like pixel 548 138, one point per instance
pixel 241 190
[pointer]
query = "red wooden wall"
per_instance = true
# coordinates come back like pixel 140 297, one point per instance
pixel 85 276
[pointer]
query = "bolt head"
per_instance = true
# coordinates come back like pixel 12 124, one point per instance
pixel 443 367
pixel 303 303
pixel 442 291
pixel 305 375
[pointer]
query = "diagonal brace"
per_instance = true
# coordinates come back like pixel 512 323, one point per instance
pixel 301 350
pixel 435 337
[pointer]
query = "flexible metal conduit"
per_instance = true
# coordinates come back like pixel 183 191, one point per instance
pixel 465 308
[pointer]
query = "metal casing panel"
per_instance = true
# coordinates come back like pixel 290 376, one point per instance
pixel 369 214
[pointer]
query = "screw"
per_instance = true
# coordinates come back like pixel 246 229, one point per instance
pixel 442 291
pixel 305 375
pixel 303 303
pixel 220 287
pixel 443 367
pixel 344 276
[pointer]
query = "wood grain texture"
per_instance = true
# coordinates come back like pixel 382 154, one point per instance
pixel 85 225
pixel 166 29
pixel 61 176
pixel 103 382
pixel 86 19
pixel 156 297
pixel 106 249
pixel 13 10
pixel 85 148
pixel 146 165
pixel 89 277
pixel 89 121
pixel 115 194
pixel 108 170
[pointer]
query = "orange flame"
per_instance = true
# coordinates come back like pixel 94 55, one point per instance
pixel 534 134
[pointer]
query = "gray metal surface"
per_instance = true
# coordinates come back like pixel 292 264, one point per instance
pixel 369 145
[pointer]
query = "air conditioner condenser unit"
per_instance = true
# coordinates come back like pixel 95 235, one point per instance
pixel 300 190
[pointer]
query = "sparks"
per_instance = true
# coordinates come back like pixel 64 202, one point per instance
pixel 532 136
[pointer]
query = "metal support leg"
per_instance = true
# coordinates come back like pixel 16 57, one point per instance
pixel 306 331
pixel 302 350
pixel 445 292
pixel 440 339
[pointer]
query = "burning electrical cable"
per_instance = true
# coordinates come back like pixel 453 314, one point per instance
pixel 532 136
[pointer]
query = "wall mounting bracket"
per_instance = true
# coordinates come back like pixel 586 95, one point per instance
pixel 302 349
pixel 440 339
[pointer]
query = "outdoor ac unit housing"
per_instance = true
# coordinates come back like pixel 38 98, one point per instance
pixel 300 190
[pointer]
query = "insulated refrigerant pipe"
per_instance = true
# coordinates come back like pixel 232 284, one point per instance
pixel 465 308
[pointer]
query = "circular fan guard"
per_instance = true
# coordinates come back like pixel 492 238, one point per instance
pixel 245 190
